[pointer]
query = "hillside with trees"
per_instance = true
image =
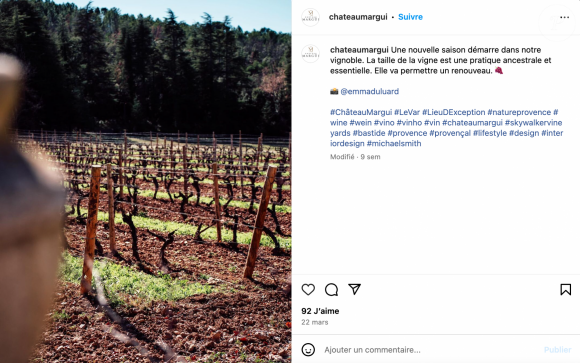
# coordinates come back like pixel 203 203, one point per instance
pixel 98 69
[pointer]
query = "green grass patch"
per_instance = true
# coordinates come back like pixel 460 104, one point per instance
pixel 234 203
pixel 60 315
pixel 179 166
pixel 185 229
pixel 121 280
pixel 286 186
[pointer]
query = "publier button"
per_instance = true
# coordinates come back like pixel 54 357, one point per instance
pixel 565 289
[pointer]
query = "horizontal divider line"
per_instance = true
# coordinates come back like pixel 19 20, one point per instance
pixel 446 334
pixel 558 274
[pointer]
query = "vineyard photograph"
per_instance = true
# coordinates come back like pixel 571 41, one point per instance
pixel 145 183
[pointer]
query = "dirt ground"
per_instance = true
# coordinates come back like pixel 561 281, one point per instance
pixel 241 327
pixel 251 324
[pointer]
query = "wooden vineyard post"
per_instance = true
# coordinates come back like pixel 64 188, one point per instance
pixel 231 146
pixel 241 150
pixel 290 159
pixel 198 147
pixel 241 172
pixel 213 143
pixel 126 152
pixel 172 159
pixel 73 161
pixel 216 195
pixel 214 150
pixel 259 225
pixel 92 215
pixel 185 176
pixel 112 241
pixel 259 150
pixel 68 155
pixel 121 182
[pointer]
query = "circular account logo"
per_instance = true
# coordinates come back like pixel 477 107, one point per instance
pixel 310 17
pixel 310 53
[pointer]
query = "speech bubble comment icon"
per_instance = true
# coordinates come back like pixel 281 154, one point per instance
pixel 331 290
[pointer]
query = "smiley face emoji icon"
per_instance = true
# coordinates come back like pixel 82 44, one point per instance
pixel 308 349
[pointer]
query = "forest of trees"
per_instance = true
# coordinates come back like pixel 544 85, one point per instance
pixel 97 69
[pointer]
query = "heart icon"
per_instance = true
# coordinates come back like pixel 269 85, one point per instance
pixel 308 288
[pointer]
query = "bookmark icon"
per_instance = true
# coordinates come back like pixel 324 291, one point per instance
pixel 565 289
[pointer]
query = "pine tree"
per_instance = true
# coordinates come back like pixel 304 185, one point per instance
pixel 96 86
pixel 205 62
pixel 178 72
pixel 68 50
pixel 47 100
pixel 137 54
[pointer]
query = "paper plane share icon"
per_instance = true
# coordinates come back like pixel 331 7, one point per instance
pixel 354 288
